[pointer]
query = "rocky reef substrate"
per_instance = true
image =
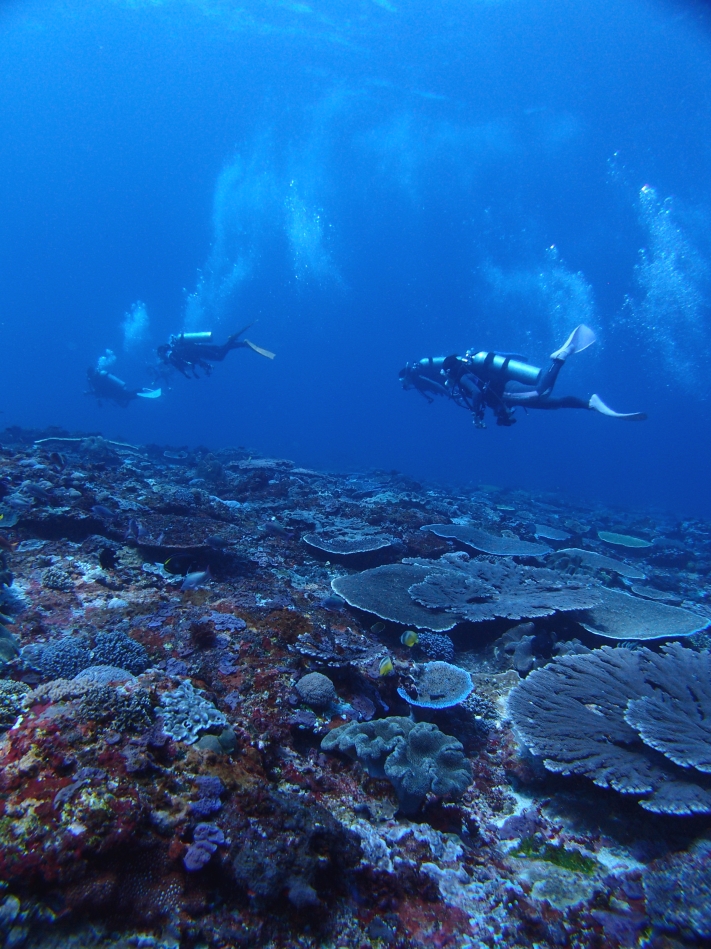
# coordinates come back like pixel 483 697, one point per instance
pixel 520 683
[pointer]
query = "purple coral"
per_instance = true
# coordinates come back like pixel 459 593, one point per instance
pixel 209 790
pixel 206 839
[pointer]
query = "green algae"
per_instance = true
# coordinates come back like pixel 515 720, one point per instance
pixel 556 854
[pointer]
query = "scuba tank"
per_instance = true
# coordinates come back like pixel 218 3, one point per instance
pixel 493 367
pixel 196 337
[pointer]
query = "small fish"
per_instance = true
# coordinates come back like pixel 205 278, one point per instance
pixel 58 461
pixel 104 512
pixel 37 492
pixel 409 638
pixel 277 530
pixel 193 580
pixel 175 455
pixel 8 545
pixel 136 531
pixel 377 628
pixel 217 542
pixel 386 667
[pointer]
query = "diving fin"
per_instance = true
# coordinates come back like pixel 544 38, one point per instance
pixel 581 337
pixel 598 405
pixel 258 349
pixel 150 394
pixel 236 336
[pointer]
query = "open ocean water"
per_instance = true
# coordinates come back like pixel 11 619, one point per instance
pixel 355 185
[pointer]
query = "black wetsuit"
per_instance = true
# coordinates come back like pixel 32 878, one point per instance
pixel 187 355
pixel 499 381
pixel 104 385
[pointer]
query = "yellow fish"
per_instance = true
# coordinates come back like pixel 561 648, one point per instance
pixel 409 638
pixel 386 666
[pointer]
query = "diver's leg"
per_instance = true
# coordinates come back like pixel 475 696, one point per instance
pixel 548 378
pixel 581 337
pixel 566 402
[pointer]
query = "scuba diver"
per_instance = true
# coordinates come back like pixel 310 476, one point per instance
pixel 503 382
pixel 104 385
pixel 188 351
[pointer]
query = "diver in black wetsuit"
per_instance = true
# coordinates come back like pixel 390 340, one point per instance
pixel 104 385
pixel 503 381
pixel 187 352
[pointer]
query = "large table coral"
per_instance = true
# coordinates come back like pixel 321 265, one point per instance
pixel 632 720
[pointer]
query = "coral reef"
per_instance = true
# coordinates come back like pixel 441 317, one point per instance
pixel 162 776
pixel 12 695
pixel 478 590
pixel 571 557
pixel 622 616
pixel 115 648
pixel 436 646
pixel 384 591
pixel 678 892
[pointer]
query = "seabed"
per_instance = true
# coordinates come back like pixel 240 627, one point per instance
pixel 214 818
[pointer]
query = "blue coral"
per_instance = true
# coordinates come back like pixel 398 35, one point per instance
pixel 117 649
pixel 62 658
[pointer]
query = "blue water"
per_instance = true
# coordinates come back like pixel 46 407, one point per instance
pixel 374 181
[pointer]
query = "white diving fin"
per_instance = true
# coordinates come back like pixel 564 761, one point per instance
pixel 258 349
pixel 581 337
pixel 150 394
pixel 598 405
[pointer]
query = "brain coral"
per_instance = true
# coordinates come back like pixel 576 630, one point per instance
pixel 316 690
pixel 416 758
